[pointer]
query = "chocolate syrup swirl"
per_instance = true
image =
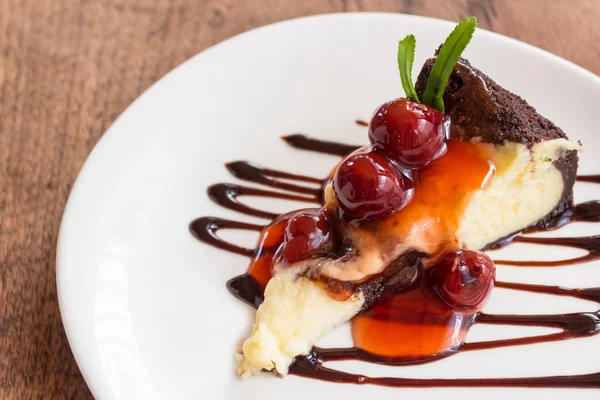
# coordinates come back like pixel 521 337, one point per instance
pixel 354 353
pixel 589 243
pixel 252 172
pixel 589 178
pixel 246 288
pixel 591 294
pixel 304 142
pixel 205 229
pixel 226 195
pixel 571 325
pixel 313 368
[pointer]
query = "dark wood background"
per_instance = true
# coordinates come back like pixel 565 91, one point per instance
pixel 68 68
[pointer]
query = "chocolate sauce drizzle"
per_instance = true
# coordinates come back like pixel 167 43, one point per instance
pixel 304 142
pixel 252 172
pixel 245 288
pixel 589 243
pixel 205 229
pixel 226 195
pixel 313 368
pixel 589 178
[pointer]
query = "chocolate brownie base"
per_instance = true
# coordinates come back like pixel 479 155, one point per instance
pixel 480 108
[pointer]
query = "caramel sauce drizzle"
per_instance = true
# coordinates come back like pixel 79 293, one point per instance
pixel 249 287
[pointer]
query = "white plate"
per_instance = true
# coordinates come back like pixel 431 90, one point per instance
pixel 144 304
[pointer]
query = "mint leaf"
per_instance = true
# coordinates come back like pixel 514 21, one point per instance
pixel 406 57
pixel 447 58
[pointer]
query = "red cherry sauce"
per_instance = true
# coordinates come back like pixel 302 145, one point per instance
pixel 413 325
pixel 418 324
pixel 269 243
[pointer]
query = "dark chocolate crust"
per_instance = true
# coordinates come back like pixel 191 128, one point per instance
pixel 567 165
pixel 400 276
pixel 480 108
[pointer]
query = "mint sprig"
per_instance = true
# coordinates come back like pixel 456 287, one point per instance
pixel 447 58
pixel 406 57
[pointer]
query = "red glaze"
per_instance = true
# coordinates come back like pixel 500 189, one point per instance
pixel 307 234
pixel 463 279
pixel 368 186
pixel 409 133
pixel 269 243
pixel 411 325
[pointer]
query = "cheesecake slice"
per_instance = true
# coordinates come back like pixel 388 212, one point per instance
pixel 483 111
pixel 506 169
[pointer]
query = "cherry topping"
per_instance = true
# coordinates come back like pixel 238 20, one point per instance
pixel 307 234
pixel 463 278
pixel 368 186
pixel 409 133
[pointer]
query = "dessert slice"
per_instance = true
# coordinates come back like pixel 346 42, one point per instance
pixel 470 165
pixel 539 161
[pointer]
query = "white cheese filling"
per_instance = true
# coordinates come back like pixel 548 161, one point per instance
pixel 527 187
pixel 295 313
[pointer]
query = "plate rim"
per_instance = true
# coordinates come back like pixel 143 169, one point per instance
pixel 62 245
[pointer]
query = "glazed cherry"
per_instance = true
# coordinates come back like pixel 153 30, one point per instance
pixel 409 133
pixel 307 234
pixel 368 186
pixel 463 279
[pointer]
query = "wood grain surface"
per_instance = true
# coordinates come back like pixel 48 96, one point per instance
pixel 68 68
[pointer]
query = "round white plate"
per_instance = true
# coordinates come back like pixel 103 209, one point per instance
pixel 144 304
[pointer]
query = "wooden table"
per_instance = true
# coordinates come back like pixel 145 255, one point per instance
pixel 68 68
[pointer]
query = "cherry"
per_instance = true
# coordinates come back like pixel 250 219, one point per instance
pixel 368 186
pixel 409 133
pixel 463 279
pixel 307 234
